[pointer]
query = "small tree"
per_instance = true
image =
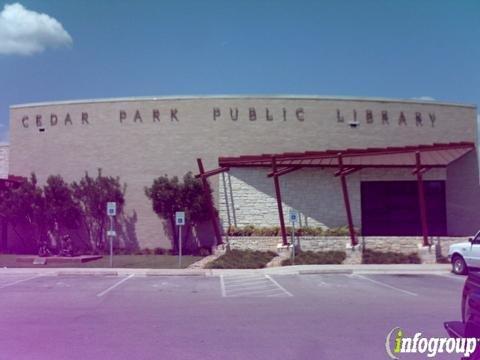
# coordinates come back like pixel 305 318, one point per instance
pixel 24 204
pixel 195 202
pixel 92 194
pixel 169 196
pixel 61 209
pixel 165 195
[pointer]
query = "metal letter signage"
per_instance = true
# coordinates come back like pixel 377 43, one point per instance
pixel 272 115
pixel 382 117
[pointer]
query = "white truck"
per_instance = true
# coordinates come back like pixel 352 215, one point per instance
pixel 466 255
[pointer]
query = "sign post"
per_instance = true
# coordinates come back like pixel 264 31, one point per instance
pixel 111 212
pixel 293 216
pixel 180 221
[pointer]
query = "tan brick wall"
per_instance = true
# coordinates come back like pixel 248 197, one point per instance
pixel 463 196
pixel 140 151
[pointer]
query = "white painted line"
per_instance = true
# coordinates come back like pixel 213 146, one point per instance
pixel 323 283
pixel 280 286
pixel 278 295
pixel 385 285
pixel 244 284
pixel 222 286
pixel 248 288
pixel 19 281
pixel 242 279
pixel 242 276
pixel 115 285
pixel 256 292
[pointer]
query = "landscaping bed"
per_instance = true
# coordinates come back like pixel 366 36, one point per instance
pixel 315 258
pixel 377 257
pixel 242 259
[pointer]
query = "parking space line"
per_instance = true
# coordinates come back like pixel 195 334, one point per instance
pixel 242 284
pixel 222 286
pixel 267 285
pixel 280 286
pixel 19 281
pixel 115 285
pixel 385 285
pixel 255 292
pixel 243 278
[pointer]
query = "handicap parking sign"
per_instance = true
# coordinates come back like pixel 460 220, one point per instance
pixel 180 218
pixel 293 215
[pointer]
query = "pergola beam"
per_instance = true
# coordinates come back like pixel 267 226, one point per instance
pixel 346 199
pixel 212 172
pixel 421 199
pixel 284 171
pixel 347 171
pixel 422 170
pixel 278 196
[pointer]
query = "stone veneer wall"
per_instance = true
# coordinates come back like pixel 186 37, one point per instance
pixel 260 243
pixel 404 245
pixel 315 194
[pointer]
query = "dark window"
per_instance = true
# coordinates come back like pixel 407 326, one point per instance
pixel 392 208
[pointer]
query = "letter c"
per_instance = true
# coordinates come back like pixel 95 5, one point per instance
pixel 300 114
pixel 24 122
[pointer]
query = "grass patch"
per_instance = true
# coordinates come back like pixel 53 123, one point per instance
pixel 312 258
pixel 242 259
pixel 389 257
pixel 119 261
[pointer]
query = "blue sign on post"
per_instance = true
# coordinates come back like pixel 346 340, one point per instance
pixel 180 218
pixel 293 216
pixel 111 208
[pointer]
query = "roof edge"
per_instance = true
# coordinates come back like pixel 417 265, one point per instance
pixel 255 97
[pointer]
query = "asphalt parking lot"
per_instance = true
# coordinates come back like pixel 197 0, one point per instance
pixel 233 316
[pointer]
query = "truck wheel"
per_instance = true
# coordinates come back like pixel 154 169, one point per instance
pixel 458 265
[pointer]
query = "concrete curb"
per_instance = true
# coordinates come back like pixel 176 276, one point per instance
pixel 285 270
pixel 313 272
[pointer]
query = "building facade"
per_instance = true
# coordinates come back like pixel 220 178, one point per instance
pixel 139 139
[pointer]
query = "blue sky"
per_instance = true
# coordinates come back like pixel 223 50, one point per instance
pixel 98 49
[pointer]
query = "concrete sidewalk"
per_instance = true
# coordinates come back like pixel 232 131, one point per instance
pixel 284 270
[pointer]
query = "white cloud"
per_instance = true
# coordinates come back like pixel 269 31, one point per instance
pixel 26 32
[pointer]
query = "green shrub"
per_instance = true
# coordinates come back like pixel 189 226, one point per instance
pixel 160 251
pixel 251 230
pixel 147 251
pixel 321 257
pixel 389 257
pixel 242 259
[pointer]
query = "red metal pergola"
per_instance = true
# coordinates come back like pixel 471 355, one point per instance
pixel 419 158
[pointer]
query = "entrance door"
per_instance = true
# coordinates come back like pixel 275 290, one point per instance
pixel 390 208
